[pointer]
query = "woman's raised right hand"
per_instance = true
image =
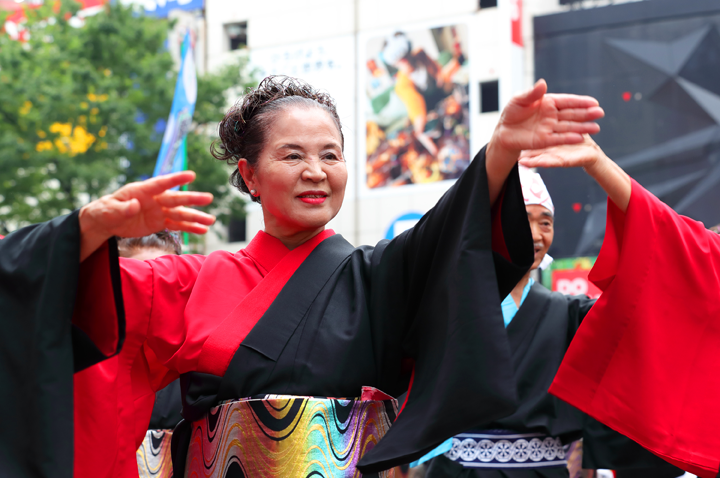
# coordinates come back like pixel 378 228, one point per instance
pixel 142 208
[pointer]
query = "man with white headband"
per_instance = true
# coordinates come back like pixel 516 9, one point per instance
pixel 533 441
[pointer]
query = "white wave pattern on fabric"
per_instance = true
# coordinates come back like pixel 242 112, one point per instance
pixel 511 451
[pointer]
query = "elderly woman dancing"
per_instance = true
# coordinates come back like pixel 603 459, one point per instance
pixel 290 350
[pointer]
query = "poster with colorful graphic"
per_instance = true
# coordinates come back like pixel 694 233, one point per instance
pixel 416 106
pixel 570 276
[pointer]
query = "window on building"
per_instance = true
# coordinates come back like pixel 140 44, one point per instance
pixel 236 230
pixel 237 35
pixel 489 96
pixel 488 3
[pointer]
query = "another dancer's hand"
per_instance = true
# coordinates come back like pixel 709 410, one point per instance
pixel 142 208
pixel 588 155
pixel 536 120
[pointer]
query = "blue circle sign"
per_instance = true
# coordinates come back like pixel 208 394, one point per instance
pixel 402 223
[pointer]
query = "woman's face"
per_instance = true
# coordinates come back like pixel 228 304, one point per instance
pixel 301 174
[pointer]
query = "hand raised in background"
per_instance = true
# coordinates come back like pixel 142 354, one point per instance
pixel 588 155
pixel 142 208
pixel 579 155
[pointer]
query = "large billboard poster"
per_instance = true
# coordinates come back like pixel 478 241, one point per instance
pixel 416 103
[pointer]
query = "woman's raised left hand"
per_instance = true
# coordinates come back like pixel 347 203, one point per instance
pixel 536 120
pixel 142 208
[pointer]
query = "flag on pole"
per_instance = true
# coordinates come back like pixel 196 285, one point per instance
pixel 172 157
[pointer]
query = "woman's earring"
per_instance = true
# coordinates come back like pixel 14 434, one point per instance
pixel 253 192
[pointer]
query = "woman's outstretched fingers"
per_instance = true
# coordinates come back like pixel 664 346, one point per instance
pixel 159 184
pixel 183 198
pixel 589 127
pixel 581 114
pixel 581 154
pixel 184 226
pixel 559 139
pixel 533 94
pixel 565 101
pixel 184 214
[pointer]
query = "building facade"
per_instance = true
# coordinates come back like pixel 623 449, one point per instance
pixel 418 85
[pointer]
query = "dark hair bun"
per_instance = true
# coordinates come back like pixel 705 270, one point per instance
pixel 244 128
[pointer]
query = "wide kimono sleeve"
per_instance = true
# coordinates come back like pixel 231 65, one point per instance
pixel 40 347
pixel 645 360
pixel 114 400
pixel 438 286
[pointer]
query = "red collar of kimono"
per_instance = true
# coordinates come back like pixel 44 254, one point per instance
pixel 220 347
pixel 266 251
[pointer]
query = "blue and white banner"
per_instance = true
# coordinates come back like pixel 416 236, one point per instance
pixel 172 152
pixel 161 8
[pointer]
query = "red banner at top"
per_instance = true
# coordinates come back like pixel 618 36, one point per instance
pixel 516 19
pixel 14 22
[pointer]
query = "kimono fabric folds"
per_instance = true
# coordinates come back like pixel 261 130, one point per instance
pixel 532 437
pixel 326 319
pixel 41 347
pixel 153 456
pixel 645 360
pixel 535 438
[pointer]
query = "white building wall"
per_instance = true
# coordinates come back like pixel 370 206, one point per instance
pixel 336 30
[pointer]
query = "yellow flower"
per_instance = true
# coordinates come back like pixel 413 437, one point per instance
pixel 80 141
pixel 26 107
pixel 70 140
pixel 84 104
pixel 82 119
pixel 43 146
pixel 103 131
pixel 94 111
pixel 107 72
pixel 61 146
pixel 63 129
pixel 41 133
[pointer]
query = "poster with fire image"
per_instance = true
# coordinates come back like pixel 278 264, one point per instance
pixel 417 106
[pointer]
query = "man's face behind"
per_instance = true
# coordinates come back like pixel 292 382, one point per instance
pixel 542 227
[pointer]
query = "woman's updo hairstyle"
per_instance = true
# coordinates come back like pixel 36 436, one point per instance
pixel 244 129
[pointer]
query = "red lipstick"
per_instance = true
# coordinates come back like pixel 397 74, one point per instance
pixel 313 197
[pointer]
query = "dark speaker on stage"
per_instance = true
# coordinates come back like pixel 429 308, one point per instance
pixel 655 68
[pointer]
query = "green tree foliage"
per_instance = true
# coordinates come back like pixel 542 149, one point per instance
pixel 78 109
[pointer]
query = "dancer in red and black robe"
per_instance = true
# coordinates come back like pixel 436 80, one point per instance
pixel 644 360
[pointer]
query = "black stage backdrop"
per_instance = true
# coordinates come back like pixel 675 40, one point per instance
pixel 655 68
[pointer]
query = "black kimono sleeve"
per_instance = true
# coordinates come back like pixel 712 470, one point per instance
pixel 441 283
pixel 40 348
pixel 605 448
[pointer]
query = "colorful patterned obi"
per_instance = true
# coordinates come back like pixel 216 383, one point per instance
pixel 287 436
pixel 505 449
pixel 153 456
